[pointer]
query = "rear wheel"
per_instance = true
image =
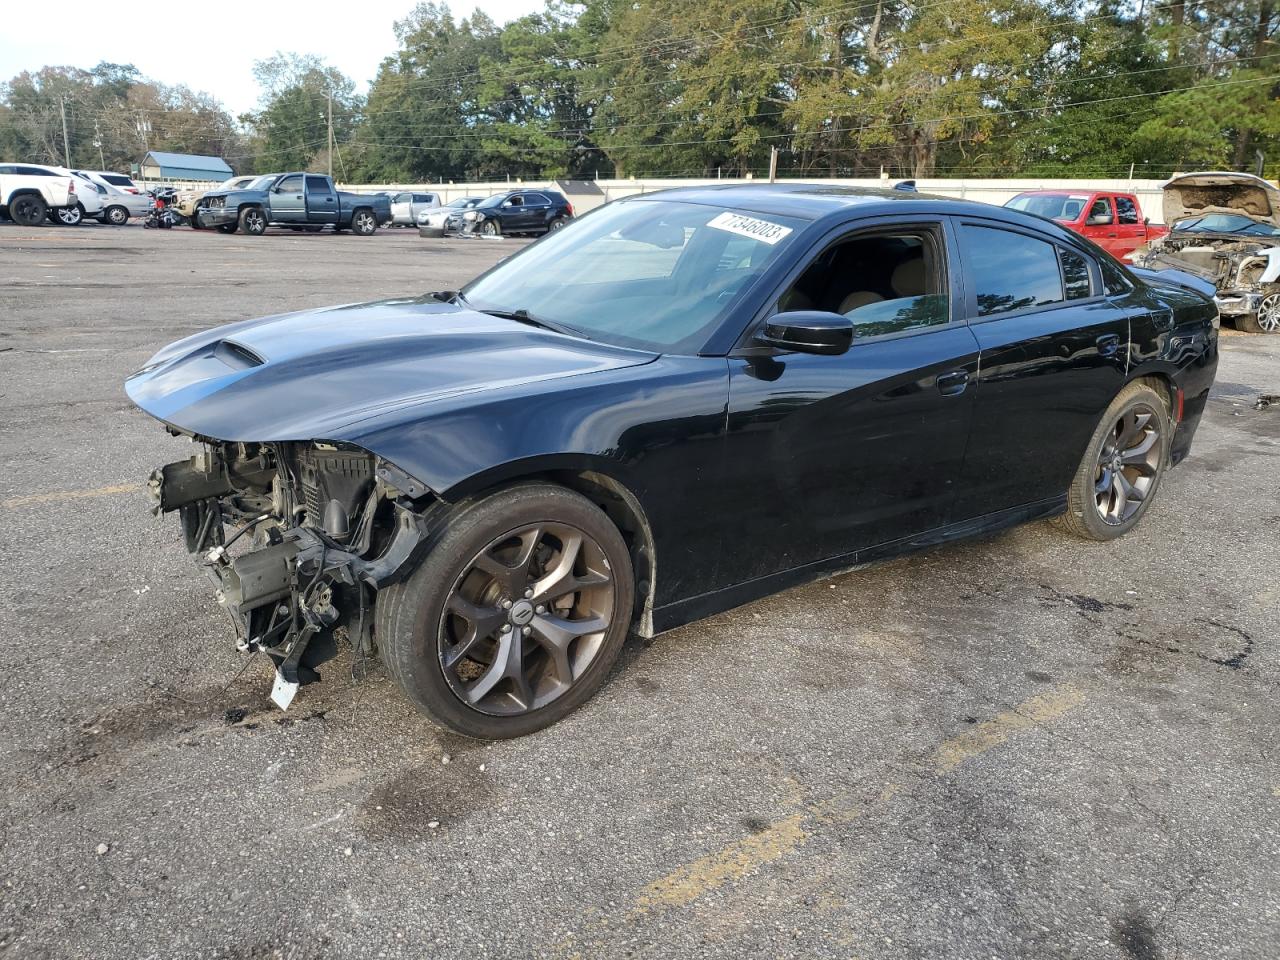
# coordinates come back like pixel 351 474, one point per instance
pixel 1266 320
pixel 253 221
pixel 515 616
pixel 28 209
pixel 1122 466
pixel 115 215
pixel 557 223
pixel 363 222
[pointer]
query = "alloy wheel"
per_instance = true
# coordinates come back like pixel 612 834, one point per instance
pixel 70 216
pixel 254 221
pixel 365 223
pixel 1269 314
pixel 526 618
pixel 1128 464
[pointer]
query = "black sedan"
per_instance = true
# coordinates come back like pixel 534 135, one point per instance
pixel 681 403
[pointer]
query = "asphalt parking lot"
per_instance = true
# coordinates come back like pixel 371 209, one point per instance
pixel 1026 746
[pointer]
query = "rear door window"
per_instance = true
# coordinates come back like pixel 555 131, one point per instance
pixel 424 198
pixel 318 185
pixel 1127 209
pixel 1010 271
pixel 1075 275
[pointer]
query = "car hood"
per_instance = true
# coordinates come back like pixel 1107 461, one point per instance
pixel 311 375
pixel 1193 194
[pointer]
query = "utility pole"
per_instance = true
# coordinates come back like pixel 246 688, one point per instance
pixel 66 144
pixel 144 131
pixel 330 133
pixel 97 142
pixel 773 164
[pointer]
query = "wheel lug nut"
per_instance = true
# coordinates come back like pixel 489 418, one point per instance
pixel 541 608
pixel 506 628
pixel 528 593
pixel 506 604
pixel 526 631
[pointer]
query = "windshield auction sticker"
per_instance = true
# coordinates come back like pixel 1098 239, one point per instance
pixel 761 230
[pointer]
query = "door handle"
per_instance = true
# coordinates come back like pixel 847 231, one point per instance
pixel 1110 234
pixel 953 383
pixel 1108 345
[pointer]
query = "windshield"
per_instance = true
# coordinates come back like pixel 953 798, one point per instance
pixel 1227 223
pixel 262 182
pixel 462 202
pixel 1058 206
pixel 653 274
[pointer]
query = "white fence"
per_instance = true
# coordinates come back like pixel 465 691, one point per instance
pixel 987 191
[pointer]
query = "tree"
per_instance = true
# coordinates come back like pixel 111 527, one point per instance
pixel 291 130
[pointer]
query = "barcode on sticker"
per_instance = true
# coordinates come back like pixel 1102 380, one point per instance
pixel 761 230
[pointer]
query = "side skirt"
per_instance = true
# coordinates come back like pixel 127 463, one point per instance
pixel 707 604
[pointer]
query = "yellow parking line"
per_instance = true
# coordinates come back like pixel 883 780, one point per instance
pixel 1034 712
pixel 733 862
pixel 58 496
pixel 739 858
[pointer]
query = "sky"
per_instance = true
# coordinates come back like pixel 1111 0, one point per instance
pixel 204 49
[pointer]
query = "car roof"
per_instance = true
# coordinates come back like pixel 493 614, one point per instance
pixel 813 201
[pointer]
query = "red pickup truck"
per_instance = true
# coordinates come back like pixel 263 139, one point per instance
pixel 1113 221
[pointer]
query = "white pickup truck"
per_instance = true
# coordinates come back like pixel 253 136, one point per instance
pixel 29 192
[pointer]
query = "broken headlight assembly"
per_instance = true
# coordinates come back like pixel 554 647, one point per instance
pixel 298 538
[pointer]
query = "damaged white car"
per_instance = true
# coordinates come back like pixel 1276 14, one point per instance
pixel 1225 227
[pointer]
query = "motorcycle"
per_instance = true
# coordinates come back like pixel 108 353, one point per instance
pixel 162 215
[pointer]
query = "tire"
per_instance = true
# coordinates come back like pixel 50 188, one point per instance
pixel 115 215
pixel 557 223
pixel 490 228
pixel 194 220
pixel 1266 320
pixel 28 209
pixel 71 216
pixel 1139 419
pixel 363 222
pixel 416 620
pixel 253 221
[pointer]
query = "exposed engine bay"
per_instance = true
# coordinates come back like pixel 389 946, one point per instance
pixel 1224 228
pixel 298 538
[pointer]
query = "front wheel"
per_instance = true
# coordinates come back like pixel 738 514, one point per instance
pixel 489 228
pixel 253 221
pixel 363 223
pixel 1266 320
pixel 515 616
pixel 1122 466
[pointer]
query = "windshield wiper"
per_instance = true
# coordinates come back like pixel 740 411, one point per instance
pixel 520 316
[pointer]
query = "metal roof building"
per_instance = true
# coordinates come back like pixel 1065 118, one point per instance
pixel 157 165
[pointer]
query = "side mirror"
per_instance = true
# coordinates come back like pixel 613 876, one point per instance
pixel 808 331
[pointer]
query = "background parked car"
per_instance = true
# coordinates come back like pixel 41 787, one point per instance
pixel 1225 228
pixel 28 192
pixel 406 207
pixel 446 219
pixel 302 201
pixel 187 199
pixel 118 205
pixel 88 202
pixel 1114 221
pixel 519 211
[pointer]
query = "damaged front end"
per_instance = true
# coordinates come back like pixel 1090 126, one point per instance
pixel 1224 229
pixel 298 538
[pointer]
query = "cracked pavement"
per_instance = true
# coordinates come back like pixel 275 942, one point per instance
pixel 1020 746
